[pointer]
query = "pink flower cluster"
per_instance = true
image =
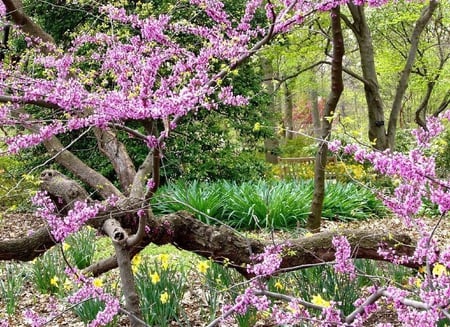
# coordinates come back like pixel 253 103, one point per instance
pixel 268 262
pixel 343 255
pixel 61 227
pixel 149 75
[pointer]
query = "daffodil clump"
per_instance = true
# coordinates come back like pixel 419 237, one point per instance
pixel 160 286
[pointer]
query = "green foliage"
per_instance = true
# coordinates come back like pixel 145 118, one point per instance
pixel 443 154
pixel 48 273
pixel 330 286
pixel 16 186
pixel 221 284
pixel 160 287
pixel 88 310
pixel 12 279
pixel 267 205
pixel 80 247
pixel 222 144
pixel 264 204
pixel 54 18
pixel 195 197
pixel 299 146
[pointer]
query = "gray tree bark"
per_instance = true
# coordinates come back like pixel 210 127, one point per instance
pixel 337 86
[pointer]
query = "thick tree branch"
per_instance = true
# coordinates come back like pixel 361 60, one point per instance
pixel 15 9
pixel 222 244
pixel 117 154
pixel 88 175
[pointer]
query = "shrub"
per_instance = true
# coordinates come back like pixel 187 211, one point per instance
pixel 16 187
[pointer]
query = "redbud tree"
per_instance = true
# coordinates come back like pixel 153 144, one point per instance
pixel 141 84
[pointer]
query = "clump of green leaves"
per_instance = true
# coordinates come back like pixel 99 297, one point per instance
pixel 262 204
pixel 12 279
pixel 160 286
pixel 88 310
pixel 322 283
pixel 16 187
pixel 48 273
pixel 80 247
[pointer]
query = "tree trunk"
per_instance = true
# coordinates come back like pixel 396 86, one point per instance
pixel 315 114
pixel 402 85
pixel 337 86
pixel 288 111
pixel 117 154
pixel 377 130
pixel 222 244
pixel 270 145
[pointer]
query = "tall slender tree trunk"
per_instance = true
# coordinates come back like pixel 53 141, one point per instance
pixel 270 144
pixel 315 113
pixel 360 28
pixel 383 137
pixel 288 111
pixel 337 86
pixel 402 85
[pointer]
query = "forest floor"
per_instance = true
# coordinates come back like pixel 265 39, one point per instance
pixel 17 225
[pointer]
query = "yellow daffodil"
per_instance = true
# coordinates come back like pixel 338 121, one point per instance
pixel 67 285
pixel 136 261
pixel 54 281
pixel 203 266
pixel 318 300
pixel 418 282
pixel 155 278
pixel 164 297
pixel 439 269
pixel 164 259
pixel 97 282
pixel 278 285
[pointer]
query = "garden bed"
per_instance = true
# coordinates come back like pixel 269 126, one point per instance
pixel 195 299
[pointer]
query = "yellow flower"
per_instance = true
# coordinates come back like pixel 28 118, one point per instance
pixel 418 282
pixel 67 285
pixel 203 266
pixel 164 297
pixel 164 259
pixel 97 282
pixel 257 127
pixel 318 300
pixel 155 278
pixel 308 234
pixel 278 285
pixel 439 269
pixel 54 281
pixel 65 246
pixel 422 269
pixel 136 261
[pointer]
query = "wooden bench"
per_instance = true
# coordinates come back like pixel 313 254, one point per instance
pixel 297 168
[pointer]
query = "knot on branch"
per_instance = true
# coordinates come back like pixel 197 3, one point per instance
pixel 63 191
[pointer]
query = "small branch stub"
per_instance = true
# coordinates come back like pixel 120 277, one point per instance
pixel 114 230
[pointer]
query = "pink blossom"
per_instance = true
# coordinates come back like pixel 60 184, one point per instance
pixel 343 255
